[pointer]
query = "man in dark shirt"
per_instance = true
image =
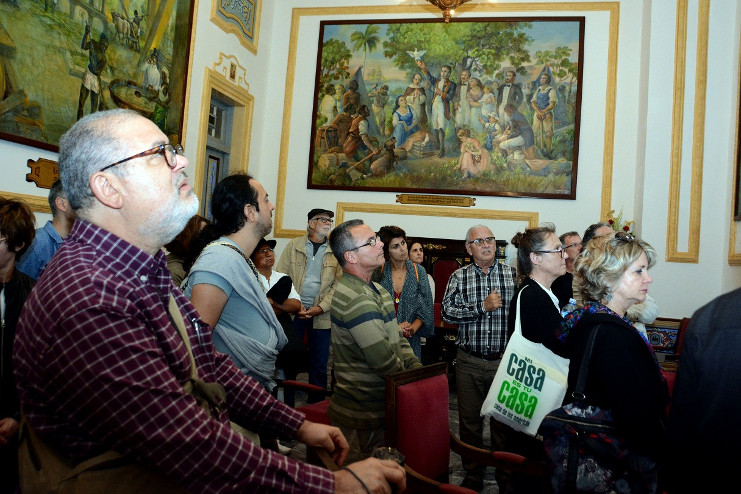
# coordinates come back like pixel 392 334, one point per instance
pixel 106 344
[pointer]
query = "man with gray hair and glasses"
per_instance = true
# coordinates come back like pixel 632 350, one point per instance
pixel 366 340
pixel 477 299
pixel 120 386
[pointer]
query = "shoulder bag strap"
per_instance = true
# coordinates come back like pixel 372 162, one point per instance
pixel 177 318
pixel 518 325
pixel 581 382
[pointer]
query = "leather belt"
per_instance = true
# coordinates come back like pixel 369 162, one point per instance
pixel 491 356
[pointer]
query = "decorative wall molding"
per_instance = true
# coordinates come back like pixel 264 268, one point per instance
pixel 232 70
pixel 734 257
pixel 243 103
pixel 697 135
pixel 531 217
pixel 38 204
pixel 611 8
pixel 239 17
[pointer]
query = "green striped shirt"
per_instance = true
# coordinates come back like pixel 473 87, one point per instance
pixel 367 344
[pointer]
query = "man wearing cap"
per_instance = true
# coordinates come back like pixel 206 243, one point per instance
pixel 309 261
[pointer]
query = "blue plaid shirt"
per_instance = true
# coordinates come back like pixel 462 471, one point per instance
pixel 463 304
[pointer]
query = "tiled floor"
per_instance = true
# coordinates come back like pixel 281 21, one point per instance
pixel 456 468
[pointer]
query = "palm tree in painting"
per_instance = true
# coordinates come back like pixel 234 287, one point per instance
pixel 366 41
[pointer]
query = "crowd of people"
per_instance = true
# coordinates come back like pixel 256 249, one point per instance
pixel 108 367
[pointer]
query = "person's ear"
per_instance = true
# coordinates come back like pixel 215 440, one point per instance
pixel 106 187
pixel 535 258
pixel 61 203
pixel 249 212
pixel 350 257
pixel 19 247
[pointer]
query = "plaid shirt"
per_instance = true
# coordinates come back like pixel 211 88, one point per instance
pixel 100 366
pixel 463 304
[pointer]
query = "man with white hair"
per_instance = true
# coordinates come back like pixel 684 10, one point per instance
pixel 477 299
pixel 116 371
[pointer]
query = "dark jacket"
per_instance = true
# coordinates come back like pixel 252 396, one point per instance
pixel 539 318
pixel 704 427
pixel 16 291
pixel 623 377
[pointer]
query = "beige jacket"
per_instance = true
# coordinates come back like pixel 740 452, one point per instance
pixel 293 262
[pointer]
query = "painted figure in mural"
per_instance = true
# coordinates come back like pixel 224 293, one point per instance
pixel 404 120
pixel 509 93
pixel 488 103
pixel 461 102
pixel 474 97
pixel 162 103
pixel 493 131
pixel 339 91
pixel 518 135
pixel 474 158
pixel 417 97
pixel 543 102
pixel 328 105
pixel 380 98
pixel 91 79
pixel 352 96
pixel 358 141
pixel 151 77
pixel 444 90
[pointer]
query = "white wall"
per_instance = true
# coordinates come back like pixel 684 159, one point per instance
pixel 642 137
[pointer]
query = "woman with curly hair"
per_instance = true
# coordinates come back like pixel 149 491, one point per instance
pixel 624 376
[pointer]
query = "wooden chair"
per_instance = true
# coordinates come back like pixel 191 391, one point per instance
pixel 418 425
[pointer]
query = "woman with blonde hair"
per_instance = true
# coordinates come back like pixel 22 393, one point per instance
pixel 624 376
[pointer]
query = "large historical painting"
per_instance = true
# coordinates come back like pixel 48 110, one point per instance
pixel 62 59
pixel 486 107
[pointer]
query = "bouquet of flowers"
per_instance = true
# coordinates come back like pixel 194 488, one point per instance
pixel 617 222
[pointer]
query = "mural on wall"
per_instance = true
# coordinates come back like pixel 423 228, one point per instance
pixel 467 107
pixel 63 59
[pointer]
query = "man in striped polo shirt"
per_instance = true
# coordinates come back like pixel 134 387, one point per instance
pixel 366 340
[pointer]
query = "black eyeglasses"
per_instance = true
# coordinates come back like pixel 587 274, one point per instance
pixel 561 252
pixel 369 243
pixel 323 219
pixel 625 237
pixel 480 241
pixel 575 244
pixel 169 151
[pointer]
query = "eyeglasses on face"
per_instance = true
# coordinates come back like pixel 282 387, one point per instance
pixel 323 219
pixel 573 244
pixel 169 151
pixel 370 243
pixel 265 250
pixel 482 241
pixel 625 237
pixel 558 251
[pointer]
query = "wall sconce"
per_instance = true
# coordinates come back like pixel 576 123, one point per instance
pixel 447 6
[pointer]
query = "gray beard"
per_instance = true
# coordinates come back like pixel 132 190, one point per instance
pixel 165 223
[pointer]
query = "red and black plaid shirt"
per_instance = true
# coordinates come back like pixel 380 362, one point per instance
pixel 100 366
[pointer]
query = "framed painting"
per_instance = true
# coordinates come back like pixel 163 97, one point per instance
pixel 474 106
pixel 63 59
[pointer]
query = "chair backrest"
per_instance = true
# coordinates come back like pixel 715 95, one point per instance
pixel 417 418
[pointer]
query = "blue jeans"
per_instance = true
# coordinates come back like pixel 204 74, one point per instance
pixel 318 345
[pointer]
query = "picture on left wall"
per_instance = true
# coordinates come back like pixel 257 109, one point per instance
pixel 63 59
